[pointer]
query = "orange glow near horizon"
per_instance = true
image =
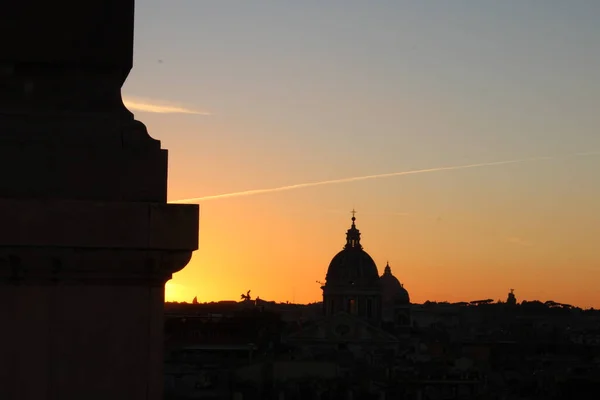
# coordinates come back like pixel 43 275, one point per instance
pixel 453 235
pixel 280 247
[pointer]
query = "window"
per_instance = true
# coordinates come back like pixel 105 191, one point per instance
pixel 352 306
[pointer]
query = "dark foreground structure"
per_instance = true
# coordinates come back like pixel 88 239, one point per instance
pixel 87 240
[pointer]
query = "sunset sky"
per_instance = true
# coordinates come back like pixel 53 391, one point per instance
pixel 265 94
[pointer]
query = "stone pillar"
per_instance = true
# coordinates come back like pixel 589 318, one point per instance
pixel 87 240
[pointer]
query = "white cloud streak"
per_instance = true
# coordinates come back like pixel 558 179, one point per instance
pixel 153 106
pixel 368 177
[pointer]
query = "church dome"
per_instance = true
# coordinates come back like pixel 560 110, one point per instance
pixel 352 265
pixel 392 290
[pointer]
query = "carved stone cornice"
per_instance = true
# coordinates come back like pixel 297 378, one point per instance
pixel 104 225
pixel 76 266
pixel 69 242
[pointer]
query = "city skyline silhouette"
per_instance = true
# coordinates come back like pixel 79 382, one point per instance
pixel 381 272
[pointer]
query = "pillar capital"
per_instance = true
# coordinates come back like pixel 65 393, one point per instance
pixel 64 130
pixel 64 55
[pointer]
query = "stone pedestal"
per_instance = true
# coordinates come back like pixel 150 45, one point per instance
pixel 87 240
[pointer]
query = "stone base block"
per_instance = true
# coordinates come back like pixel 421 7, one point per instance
pixel 82 296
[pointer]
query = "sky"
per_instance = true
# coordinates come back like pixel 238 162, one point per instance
pixel 267 94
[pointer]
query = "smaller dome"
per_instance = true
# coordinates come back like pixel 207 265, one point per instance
pixel 392 290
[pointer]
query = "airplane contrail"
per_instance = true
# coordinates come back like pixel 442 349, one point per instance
pixel 367 177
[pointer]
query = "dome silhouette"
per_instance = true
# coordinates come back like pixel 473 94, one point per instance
pixel 352 265
pixel 392 290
